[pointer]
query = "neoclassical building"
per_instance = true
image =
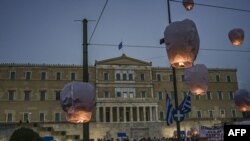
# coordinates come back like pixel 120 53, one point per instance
pixel 130 97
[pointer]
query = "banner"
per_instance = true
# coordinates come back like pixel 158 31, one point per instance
pixel 212 133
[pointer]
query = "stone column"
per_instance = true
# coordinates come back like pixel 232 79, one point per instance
pixel 97 114
pixel 111 114
pixel 124 114
pixel 156 112
pixel 150 112
pixel 104 114
pixel 131 114
pixel 144 113
pixel 137 112
pixel 118 114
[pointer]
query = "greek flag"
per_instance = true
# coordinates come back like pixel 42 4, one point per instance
pixel 120 46
pixel 170 109
pixel 185 106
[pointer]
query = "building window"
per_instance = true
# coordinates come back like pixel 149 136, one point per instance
pixel 217 78
pixel 209 95
pixel 11 95
pixel 231 95
pixel 124 76
pixel 222 114
pixel 197 97
pixel 187 115
pixel 28 75
pixel 184 94
pixel 228 78
pixel 43 76
pixel 171 78
pixel 182 78
pixel 118 94
pixel 12 75
pixel 233 112
pixel 57 95
pixel 172 95
pixel 130 76
pixel 210 114
pixel 106 94
pixel 142 76
pixel 105 76
pixel 143 94
pixel 131 94
pixel 41 117
pixel 158 77
pixel 26 95
pixel 118 76
pixel 125 94
pixel 198 114
pixel 26 117
pixel 42 95
pixel 161 116
pixel 220 95
pixel 9 117
pixel 72 76
pixel 160 95
pixel 58 76
pixel 57 117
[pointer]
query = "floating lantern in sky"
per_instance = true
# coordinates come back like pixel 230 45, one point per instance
pixel 77 100
pixel 242 100
pixel 196 78
pixel 182 43
pixel 188 4
pixel 236 36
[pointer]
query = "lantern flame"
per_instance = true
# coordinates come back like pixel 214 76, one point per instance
pixel 188 4
pixel 236 43
pixel 181 64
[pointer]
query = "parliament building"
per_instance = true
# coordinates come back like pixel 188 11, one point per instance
pixel 130 98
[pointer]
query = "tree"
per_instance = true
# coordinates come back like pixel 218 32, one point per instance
pixel 25 134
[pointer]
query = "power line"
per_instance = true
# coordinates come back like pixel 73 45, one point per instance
pixel 146 46
pixel 207 5
pixel 98 20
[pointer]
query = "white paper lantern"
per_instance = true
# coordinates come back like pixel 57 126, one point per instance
pixel 196 78
pixel 77 100
pixel 236 36
pixel 182 43
pixel 242 100
pixel 188 4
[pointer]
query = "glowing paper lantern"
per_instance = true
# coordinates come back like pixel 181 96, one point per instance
pixel 236 36
pixel 242 100
pixel 182 43
pixel 196 78
pixel 188 4
pixel 77 100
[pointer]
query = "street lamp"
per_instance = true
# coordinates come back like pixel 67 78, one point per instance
pixel 175 55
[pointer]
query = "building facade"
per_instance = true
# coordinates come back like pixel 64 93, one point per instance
pixel 130 97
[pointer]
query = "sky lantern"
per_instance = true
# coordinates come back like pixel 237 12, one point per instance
pixel 188 4
pixel 196 78
pixel 242 100
pixel 77 101
pixel 236 36
pixel 182 43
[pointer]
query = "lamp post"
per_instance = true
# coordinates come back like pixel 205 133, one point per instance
pixel 85 71
pixel 174 82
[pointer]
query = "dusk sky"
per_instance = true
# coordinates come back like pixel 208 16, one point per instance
pixel 46 31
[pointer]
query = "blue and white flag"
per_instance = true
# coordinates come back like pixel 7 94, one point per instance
pixel 170 109
pixel 185 106
pixel 120 46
